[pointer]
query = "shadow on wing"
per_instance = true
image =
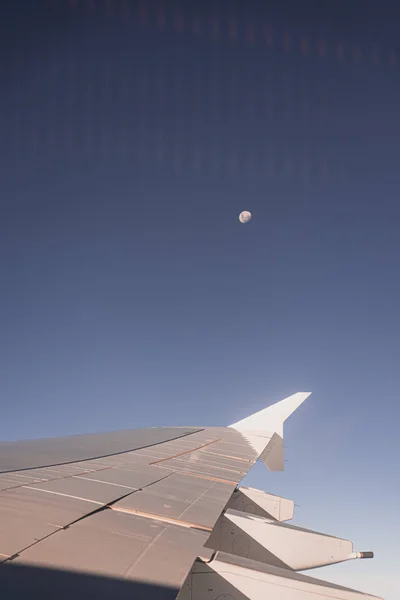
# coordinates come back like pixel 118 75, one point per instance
pixel 21 582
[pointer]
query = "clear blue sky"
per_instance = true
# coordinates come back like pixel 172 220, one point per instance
pixel 130 294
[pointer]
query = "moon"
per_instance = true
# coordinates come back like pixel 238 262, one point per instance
pixel 245 216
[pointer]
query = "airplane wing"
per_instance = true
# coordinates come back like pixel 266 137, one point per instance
pixel 157 514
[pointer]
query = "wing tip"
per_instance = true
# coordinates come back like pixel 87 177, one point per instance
pixel 273 416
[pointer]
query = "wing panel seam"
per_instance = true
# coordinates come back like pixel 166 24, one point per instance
pixel 155 462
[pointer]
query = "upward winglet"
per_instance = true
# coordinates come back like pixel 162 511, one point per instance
pixel 272 418
pixel 264 429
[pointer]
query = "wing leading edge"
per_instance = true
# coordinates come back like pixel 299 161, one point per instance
pixel 142 516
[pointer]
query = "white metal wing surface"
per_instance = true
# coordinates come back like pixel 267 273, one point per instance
pixel 157 513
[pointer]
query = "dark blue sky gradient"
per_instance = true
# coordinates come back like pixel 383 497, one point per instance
pixel 130 294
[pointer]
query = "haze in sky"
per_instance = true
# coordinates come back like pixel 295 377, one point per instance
pixel 132 296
